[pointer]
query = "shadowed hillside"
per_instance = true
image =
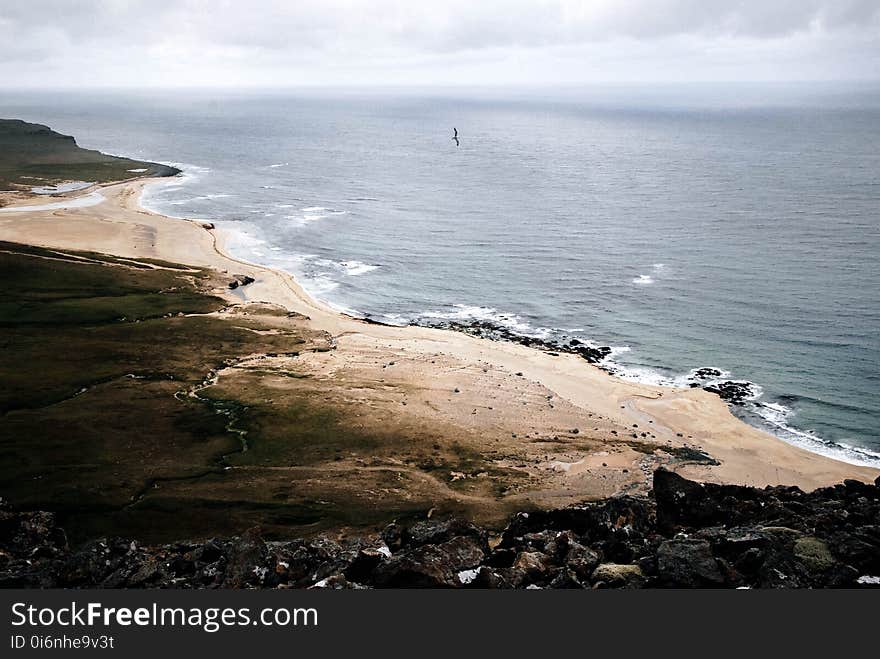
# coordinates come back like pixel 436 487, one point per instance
pixel 135 401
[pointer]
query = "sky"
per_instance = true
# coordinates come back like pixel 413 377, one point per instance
pixel 278 43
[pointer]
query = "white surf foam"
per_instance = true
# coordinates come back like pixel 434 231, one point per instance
pixel 313 214
pixel 643 280
pixel 509 321
pixel 395 319
pixel 640 374
pixel 158 196
pixel 349 268
pixel 242 238
pixel 320 285
pixel 205 197
pixel 355 268
pixel 188 173
pixel 776 417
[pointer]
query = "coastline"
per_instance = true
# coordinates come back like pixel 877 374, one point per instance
pixel 457 375
pixel 781 402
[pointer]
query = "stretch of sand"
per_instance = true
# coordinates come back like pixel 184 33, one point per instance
pixel 504 373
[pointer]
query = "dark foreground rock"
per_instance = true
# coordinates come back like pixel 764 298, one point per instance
pixel 686 535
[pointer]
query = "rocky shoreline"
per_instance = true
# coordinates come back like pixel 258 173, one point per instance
pixel 485 329
pixel 683 535
pixel 733 392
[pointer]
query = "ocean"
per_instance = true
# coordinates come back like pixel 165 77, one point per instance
pixel 733 227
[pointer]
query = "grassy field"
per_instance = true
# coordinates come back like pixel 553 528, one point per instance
pixel 34 155
pixel 135 402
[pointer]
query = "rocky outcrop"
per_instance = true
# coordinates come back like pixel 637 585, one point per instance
pixel 735 392
pixel 429 565
pixel 686 535
pixel 487 329
pixel 32 549
pixel 240 280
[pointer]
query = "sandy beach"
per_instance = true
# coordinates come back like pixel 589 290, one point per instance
pixel 576 432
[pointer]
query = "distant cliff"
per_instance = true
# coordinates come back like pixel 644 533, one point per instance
pixel 34 155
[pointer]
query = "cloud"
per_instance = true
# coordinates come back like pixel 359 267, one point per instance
pixel 343 41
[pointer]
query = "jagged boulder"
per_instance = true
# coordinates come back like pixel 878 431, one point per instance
pixel 688 563
pixel 581 560
pixel 859 547
pixel 246 561
pixel 430 566
pixel 302 563
pixel 531 568
pixel 433 531
pixel 814 554
pixel 32 548
pixel 614 575
pixel 617 516
pixel 681 502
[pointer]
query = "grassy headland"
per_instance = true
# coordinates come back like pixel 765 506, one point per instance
pixel 34 155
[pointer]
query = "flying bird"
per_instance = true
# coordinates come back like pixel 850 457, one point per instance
pixel 455 136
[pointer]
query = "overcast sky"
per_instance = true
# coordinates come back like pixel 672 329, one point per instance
pixel 450 42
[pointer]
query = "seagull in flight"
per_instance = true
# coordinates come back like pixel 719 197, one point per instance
pixel 455 136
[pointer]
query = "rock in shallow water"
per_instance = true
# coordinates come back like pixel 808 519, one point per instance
pixel 733 391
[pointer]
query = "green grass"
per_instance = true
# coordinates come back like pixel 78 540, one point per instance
pixel 97 424
pixel 78 434
pixel 32 154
